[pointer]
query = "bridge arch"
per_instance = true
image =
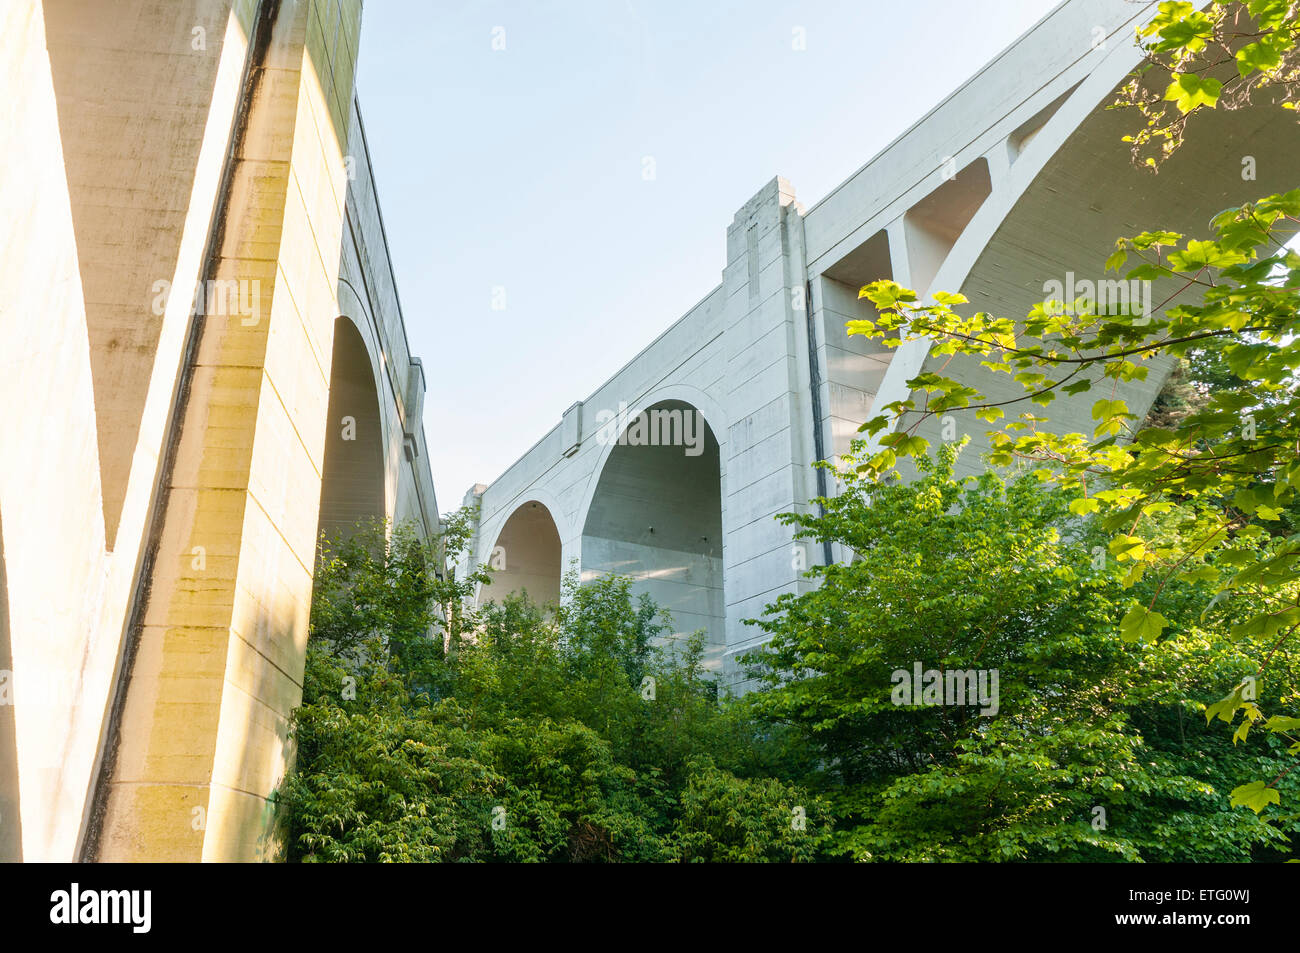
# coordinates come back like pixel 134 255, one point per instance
pixel 654 508
pixel 1069 192
pixel 354 468
pixel 526 554
pixel 685 393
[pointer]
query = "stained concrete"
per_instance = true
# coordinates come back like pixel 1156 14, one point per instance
pixel 162 467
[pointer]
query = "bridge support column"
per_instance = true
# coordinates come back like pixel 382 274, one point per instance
pixel 769 447
pixel 198 737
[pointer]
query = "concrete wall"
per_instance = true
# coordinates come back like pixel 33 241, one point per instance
pixel 70 575
pixel 218 665
pixel 161 474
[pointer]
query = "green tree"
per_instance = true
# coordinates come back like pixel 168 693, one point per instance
pixel 953 575
pixel 431 730
pixel 1233 453
pixel 737 820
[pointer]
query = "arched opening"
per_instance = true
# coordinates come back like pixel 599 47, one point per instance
pixel 352 481
pixel 526 557
pixel 656 516
pixel 1056 222
pixel 933 225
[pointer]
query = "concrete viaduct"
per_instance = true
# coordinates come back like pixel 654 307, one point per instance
pixel 168 457
pixel 204 366
pixel 1019 178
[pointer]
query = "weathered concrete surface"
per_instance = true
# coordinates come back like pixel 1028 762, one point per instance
pixel 157 569
pixel 1016 179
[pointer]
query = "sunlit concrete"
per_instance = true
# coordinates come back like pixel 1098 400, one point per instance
pixel 162 464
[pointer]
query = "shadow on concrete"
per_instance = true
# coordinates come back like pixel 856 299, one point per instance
pixel 656 516
pixel 132 93
pixel 352 484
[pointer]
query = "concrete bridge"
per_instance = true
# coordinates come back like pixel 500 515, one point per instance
pixel 168 457
pixel 1016 180
pixel 204 365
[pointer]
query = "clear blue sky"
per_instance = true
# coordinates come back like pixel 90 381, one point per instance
pixel 522 169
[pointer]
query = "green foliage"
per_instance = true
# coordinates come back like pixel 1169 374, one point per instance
pixel 734 820
pixel 1202 56
pixel 956 574
pixel 1230 463
pixel 1137 593
pixel 431 730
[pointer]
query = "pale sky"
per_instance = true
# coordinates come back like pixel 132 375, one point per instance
pixel 522 169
